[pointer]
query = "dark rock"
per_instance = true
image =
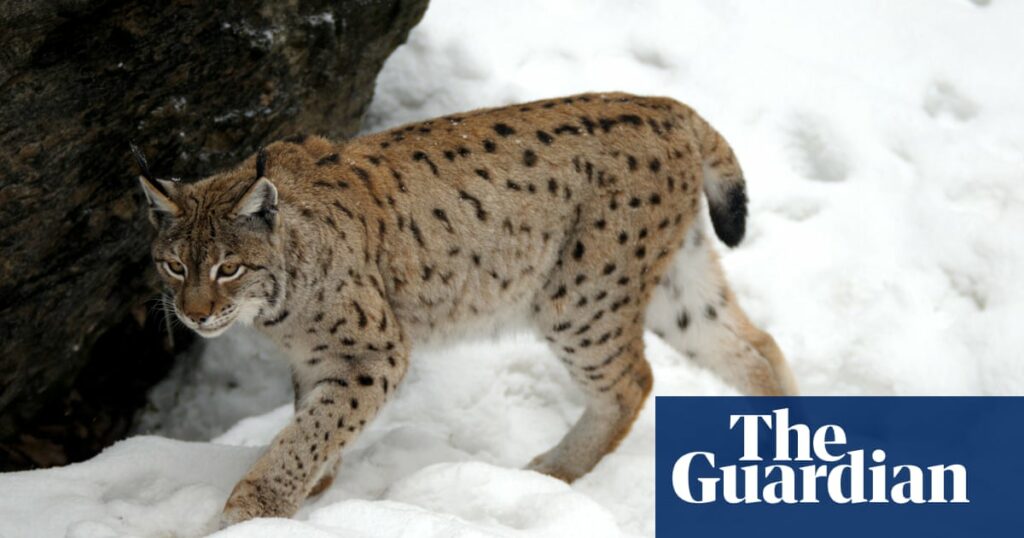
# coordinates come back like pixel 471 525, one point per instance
pixel 199 86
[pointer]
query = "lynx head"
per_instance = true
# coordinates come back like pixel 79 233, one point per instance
pixel 217 247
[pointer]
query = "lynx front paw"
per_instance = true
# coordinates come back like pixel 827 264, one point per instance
pixel 257 498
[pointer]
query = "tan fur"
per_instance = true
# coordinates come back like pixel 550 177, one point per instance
pixel 770 376
pixel 560 214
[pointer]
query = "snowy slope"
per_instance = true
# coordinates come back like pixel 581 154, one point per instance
pixel 884 148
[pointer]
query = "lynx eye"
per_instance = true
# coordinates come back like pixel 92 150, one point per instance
pixel 175 269
pixel 228 271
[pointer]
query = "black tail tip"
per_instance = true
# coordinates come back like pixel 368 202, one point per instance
pixel 729 216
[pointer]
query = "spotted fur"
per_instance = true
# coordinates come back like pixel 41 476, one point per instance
pixel 567 216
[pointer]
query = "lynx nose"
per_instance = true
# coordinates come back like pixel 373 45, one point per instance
pixel 198 318
pixel 198 314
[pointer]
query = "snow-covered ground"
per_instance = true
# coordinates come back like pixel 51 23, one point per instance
pixel 884 149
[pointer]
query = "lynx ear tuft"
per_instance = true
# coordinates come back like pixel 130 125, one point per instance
pixel 259 201
pixel 140 160
pixel 261 162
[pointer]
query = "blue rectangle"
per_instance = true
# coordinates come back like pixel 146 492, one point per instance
pixel 982 435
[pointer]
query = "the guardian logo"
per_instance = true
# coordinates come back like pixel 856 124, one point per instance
pixel 810 466
pixel 842 467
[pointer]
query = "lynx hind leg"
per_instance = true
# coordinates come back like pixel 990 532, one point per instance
pixel 593 323
pixel 615 380
pixel 696 313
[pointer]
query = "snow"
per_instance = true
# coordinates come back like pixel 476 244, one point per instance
pixel 884 150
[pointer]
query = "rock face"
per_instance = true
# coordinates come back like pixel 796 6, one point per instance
pixel 198 86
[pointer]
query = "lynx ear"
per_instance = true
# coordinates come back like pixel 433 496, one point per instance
pixel 259 201
pixel 160 204
pixel 156 191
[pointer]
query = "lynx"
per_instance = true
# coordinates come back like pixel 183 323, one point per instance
pixel 578 218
